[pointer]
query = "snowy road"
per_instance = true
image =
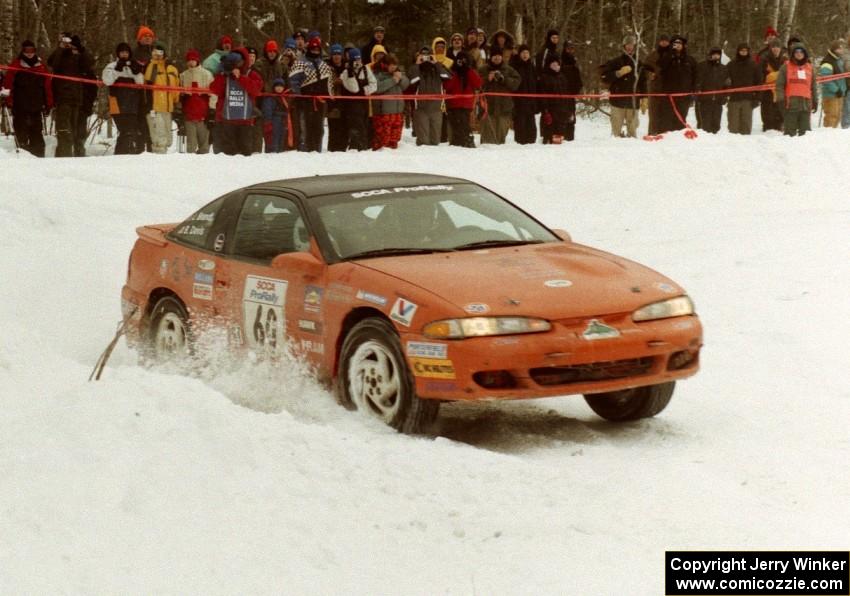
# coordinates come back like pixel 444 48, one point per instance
pixel 254 481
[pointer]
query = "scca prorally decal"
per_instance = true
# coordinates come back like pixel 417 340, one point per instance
pixel 403 311
pixel 424 349
pixel 263 302
pixel 398 189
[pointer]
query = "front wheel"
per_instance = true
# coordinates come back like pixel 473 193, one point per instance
pixel 631 404
pixel 374 378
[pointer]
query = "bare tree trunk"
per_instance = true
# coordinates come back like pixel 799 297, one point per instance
pixel 774 14
pixel 7 31
pixel 502 14
pixel 656 20
pixel 715 34
pixel 790 15
pixel 240 31
pixel 677 13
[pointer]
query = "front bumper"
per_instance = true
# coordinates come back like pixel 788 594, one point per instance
pixel 561 361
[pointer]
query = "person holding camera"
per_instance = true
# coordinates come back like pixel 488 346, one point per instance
pixel 388 114
pixel 196 106
pixel 159 72
pixel 357 80
pixel 125 103
pixel 29 96
pixel 69 59
pixel 498 77
pixel 427 77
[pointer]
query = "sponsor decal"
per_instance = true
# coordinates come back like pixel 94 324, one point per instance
pixel 204 278
pixel 596 329
pixel 219 242
pixel 309 326
pixel 263 302
pixel 234 335
pixel 557 283
pixel 202 291
pixel 476 308
pixel 370 297
pixel 313 298
pixel 206 264
pixel 424 349
pixel 665 287
pixel 163 267
pixel 398 189
pixel 208 217
pixel 433 369
pixel 440 386
pixel 314 347
pixel 403 311
pixel 337 292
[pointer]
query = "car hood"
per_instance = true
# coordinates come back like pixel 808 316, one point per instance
pixel 553 281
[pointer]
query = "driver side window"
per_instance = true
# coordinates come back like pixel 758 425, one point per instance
pixel 268 226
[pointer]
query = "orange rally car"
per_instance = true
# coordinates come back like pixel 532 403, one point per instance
pixel 405 290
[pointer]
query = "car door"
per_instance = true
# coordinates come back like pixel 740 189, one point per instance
pixel 275 305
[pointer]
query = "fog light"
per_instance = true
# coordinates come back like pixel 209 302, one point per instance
pixel 495 379
pixel 680 360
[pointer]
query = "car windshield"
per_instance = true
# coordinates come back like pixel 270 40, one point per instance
pixel 421 219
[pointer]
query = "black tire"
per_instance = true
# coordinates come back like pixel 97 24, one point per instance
pixel 368 342
pixel 169 316
pixel 631 404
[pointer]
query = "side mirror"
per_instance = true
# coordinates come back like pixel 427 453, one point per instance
pixel 563 235
pixel 304 263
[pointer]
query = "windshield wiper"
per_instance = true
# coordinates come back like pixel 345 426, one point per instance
pixel 494 243
pixel 389 252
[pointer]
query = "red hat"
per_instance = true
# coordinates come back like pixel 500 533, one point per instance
pixel 271 46
pixel 144 30
pixel 225 39
pixel 193 55
pixel 316 42
pixel 770 31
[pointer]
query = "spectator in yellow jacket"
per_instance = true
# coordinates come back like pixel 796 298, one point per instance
pixel 159 72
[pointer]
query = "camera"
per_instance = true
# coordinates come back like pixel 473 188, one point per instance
pixel 498 76
pixel 65 39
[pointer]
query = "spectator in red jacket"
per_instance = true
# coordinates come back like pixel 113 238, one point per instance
pixel 196 105
pixel 30 96
pixel 464 81
pixel 236 92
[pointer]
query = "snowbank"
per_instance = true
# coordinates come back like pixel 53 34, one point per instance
pixel 253 480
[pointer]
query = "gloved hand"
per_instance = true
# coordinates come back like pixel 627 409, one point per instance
pixel 623 71
pixel 546 118
pixel 210 116
pixel 120 64
pixel 498 76
pixel 644 105
pixel 5 92
pixel 839 93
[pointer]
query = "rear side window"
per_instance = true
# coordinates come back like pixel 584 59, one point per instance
pixel 268 226
pixel 196 229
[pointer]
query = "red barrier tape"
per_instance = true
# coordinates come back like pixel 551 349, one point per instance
pixel 426 96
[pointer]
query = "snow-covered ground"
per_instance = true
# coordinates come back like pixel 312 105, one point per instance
pixel 253 481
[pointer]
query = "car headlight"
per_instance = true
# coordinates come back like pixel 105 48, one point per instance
pixel 673 307
pixel 483 326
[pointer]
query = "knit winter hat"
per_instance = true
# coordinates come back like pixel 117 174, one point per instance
pixel 458 35
pixel 425 51
pixel 663 37
pixel 836 45
pixel 629 40
pixel 27 44
pixel 336 49
pixel 743 46
pixel 159 46
pixel 680 39
pixel 143 31
pixel 522 48
pixel 550 33
pixel 252 51
pixel 278 83
pixel 715 50
pixel 271 46
pixel 379 28
pixel 289 43
pixel 76 42
pixel 775 44
pixel 770 31
pixel 231 61
pixel 313 35
pixel 314 43
pixel 193 54
pixel 225 39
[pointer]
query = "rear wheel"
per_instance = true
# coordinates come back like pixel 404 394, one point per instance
pixel 631 404
pixel 169 341
pixel 374 378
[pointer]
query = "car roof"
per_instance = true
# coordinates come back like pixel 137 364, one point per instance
pixel 314 186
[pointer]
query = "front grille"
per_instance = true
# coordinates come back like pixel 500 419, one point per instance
pixel 595 371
